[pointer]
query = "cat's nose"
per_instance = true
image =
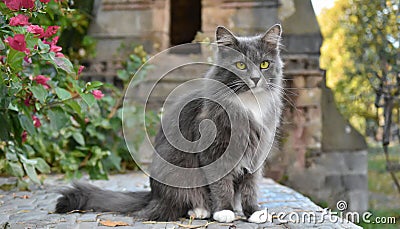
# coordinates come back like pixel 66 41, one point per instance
pixel 255 80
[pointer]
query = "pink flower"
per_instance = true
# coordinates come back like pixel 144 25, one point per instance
pixel 97 94
pixel 51 30
pixel 55 40
pixel 41 79
pixel 80 69
pixel 28 60
pixel 59 54
pixel 13 4
pixel 52 42
pixel 45 1
pixel 55 48
pixel 28 4
pixel 27 102
pixel 24 135
pixel 19 20
pixel 36 121
pixel 35 29
pixel 18 43
pixel 28 99
pixel 18 4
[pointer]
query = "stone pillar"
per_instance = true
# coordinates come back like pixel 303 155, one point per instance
pixel 245 17
pixel 130 21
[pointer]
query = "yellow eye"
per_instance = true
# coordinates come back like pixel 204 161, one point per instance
pixel 264 64
pixel 241 65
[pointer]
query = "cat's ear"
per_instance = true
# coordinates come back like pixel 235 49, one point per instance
pixel 224 36
pixel 273 35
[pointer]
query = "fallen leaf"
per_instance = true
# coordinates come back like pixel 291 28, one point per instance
pixel 24 211
pixel 110 223
pixel 22 197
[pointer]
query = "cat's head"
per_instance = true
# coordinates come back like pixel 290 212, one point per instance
pixel 249 62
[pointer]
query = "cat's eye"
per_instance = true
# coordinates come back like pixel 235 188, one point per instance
pixel 264 64
pixel 240 65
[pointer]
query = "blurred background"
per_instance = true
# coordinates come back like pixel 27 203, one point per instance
pixel 340 133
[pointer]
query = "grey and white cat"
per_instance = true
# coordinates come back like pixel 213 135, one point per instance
pixel 254 75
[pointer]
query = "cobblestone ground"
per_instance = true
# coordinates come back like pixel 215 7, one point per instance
pixel 34 209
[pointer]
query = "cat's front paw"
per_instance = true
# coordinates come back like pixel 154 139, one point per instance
pixel 261 216
pixel 224 216
pixel 199 213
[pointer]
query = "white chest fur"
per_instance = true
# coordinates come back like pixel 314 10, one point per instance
pixel 257 102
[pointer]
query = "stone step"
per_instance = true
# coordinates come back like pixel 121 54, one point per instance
pixel 34 209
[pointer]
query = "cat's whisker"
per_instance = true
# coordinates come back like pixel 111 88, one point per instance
pixel 284 89
pixel 286 98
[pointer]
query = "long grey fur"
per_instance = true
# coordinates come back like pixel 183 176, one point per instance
pixel 166 203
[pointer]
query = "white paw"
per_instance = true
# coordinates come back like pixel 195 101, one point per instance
pixel 199 213
pixel 261 216
pixel 224 216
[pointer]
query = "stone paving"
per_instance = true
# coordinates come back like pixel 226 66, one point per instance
pixel 34 209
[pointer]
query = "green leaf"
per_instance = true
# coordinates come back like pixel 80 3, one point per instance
pixel 15 58
pixel 2 46
pixel 122 74
pixel 43 47
pixel 58 118
pixel 63 94
pixel 77 153
pixel 11 156
pixel 15 88
pixel 5 130
pixel 42 166
pixel 65 65
pixel 15 169
pixel 31 172
pixel 88 98
pixel 113 160
pixel 25 160
pixel 28 150
pixel 78 137
pixel 18 30
pixel 50 56
pixel 74 105
pixel 39 92
pixel 27 124
pixel 31 41
pixel 93 85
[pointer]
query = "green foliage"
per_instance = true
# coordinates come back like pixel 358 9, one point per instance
pixel 74 19
pixel 380 186
pixel 360 47
pixel 51 120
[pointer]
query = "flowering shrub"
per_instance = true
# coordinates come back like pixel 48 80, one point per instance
pixel 48 115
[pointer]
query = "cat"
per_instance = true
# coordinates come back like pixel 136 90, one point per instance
pixel 248 78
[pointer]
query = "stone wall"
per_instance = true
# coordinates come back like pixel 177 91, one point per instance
pixel 320 154
pixel 130 21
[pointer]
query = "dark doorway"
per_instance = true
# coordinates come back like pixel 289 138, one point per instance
pixel 185 21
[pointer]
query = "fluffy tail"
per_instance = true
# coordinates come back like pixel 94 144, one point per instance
pixel 88 197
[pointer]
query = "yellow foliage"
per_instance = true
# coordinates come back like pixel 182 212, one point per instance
pixel 355 50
